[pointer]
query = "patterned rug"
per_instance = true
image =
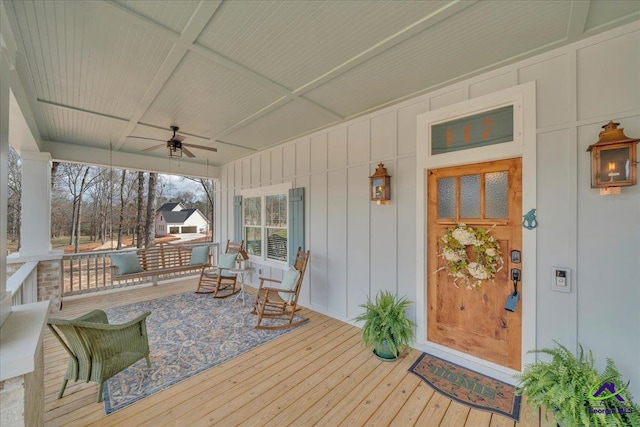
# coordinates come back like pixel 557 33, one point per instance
pixel 468 387
pixel 188 333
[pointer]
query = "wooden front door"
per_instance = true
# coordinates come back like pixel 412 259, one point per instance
pixel 487 195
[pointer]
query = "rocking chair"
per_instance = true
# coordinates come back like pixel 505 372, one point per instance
pixel 99 350
pixel 281 300
pixel 218 280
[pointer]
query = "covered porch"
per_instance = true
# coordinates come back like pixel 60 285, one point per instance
pixel 319 373
pixel 315 107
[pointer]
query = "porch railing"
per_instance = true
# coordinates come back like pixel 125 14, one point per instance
pixel 88 272
pixel 23 284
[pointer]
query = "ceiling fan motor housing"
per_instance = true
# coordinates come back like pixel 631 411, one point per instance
pixel 174 145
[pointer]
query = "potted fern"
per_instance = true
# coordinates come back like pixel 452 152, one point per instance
pixel 386 326
pixel 577 395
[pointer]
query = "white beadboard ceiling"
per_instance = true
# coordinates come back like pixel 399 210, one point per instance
pixel 245 75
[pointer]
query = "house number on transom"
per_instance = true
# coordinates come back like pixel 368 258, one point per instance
pixel 477 130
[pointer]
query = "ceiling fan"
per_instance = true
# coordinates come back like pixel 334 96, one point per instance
pixel 175 146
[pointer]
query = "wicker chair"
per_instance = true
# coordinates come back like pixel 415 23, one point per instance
pixel 99 350
pixel 280 301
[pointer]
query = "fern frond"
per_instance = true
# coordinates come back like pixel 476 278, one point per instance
pixel 563 385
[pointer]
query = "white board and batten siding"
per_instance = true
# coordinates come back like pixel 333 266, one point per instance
pixel 359 248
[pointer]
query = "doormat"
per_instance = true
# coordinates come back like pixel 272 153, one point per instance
pixel 468 387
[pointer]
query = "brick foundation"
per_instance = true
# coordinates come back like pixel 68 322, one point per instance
pixel 50 282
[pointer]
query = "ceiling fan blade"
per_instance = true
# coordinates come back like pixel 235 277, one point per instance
pixel 144 137
pixel 155 147
pixel 187 152
pixel 201 147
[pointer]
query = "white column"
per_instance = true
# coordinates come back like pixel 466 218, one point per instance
pixel 35 230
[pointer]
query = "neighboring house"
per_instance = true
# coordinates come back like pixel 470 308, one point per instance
pixel 173 218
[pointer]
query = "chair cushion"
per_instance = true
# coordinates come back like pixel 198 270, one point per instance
pixel 126 262
pixel 199 255
pixel 227 260
pixel 289 283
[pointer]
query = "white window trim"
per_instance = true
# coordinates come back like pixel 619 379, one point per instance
pixel 262 192
pixel 268 190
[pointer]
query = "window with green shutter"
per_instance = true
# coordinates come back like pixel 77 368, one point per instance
pixel 271 221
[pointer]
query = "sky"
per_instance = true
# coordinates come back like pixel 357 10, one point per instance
pixel 174 184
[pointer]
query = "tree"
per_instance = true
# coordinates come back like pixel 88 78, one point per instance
pixel 139 209
pixel 60 200
pixel 54 172
pixel 78 181
pixel 121 219
pixel 208 187
pixel 151 209
pixel 14 181
pixel 99 202
pixel 76 230
pixel 106 199
pixel 128 203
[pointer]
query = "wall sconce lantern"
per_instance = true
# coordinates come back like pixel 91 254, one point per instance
pixel 380 183
pixel 613 159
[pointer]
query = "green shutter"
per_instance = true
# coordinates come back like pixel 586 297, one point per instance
pixel 237 218
pixel 296 222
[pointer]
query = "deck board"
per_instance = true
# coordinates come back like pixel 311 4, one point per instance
pixel 478 418
pixel 317 374
pixel 434 411
pixel 380 407
pixel 456 415
pixel 413 406
pixel 498 420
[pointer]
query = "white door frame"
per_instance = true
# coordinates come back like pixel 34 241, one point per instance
pixel 522 97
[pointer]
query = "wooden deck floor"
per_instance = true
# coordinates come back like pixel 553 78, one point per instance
pixel 319 374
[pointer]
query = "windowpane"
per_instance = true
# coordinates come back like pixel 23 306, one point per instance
pixel 253 240
pixel 276 210
pixel 470 196
pixel 477 130
pixel 277 244
pixel 252 210
pixel 447 197
pixel 495 185
pixel 265 225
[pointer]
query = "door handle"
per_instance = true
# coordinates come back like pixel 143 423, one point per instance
pixel 512 299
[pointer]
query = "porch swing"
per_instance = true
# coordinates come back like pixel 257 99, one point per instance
pixel 157 260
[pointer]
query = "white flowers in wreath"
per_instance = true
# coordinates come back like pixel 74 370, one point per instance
pixel 486 263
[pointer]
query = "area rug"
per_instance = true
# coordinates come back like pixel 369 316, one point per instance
pixel 468 387
pixel 188 333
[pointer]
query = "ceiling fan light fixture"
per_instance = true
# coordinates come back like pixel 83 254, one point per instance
pixel 175 149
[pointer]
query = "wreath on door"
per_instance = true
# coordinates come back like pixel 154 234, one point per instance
pixel 486 259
